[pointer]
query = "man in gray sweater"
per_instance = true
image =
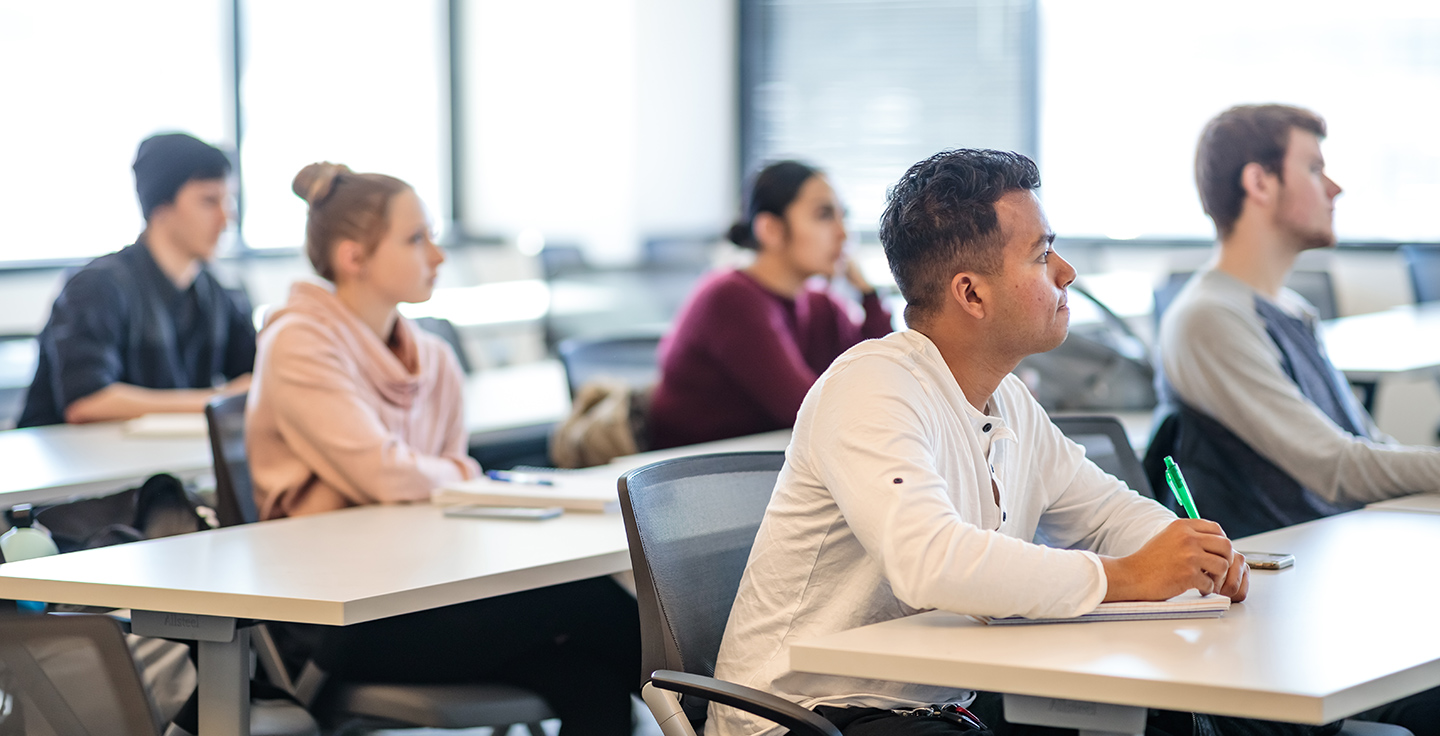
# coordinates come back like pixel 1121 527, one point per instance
pixel 1265 428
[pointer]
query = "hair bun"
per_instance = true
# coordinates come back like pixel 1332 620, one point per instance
pixel 740 234
pixel 314 182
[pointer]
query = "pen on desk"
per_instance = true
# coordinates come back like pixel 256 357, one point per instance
pixel 507 477
pixel 1176 481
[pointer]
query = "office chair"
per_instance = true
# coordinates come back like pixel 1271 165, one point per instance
pixel 71 675
pixel 1423 262
pixel 1107 445
pixel 631 359
pixel 690 523
pixel 468 705
pixel 446 330
pixel 226 418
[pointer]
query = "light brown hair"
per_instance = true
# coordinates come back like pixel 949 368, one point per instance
pixel 344 205
pixel 1241 135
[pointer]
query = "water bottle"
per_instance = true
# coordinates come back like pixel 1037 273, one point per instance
pixel 24 542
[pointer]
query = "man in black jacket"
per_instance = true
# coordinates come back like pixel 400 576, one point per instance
pixel 147 328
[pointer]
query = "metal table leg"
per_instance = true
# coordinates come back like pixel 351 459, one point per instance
pixel 224 665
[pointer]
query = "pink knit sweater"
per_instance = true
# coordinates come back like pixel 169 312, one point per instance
pixel 336 418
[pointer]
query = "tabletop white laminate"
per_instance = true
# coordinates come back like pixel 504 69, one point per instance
pixel 337 568
pixel 1349 627
pixel 516 396
pixel 65 461
pixel 353 565
pixel 48 464
pixel 1396 342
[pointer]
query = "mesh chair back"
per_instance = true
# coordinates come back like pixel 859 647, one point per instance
pixel 1424 263
pixel 445 330
pixel 1318 288
pixel 691 522
pixel 631 360
pixel 234 492
pixel 70 675
pixel 1107 445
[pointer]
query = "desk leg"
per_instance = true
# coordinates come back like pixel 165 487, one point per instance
pixel 1093 719
pixel 225 686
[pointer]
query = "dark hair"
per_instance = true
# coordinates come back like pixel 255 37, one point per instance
pixel 344 205
pixel 1239 136
pixel 164 163
pixel 772 190
pixel 940 220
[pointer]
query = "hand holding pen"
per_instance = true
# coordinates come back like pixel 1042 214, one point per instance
pixel 1189 553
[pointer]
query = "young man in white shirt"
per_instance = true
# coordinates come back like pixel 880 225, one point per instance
pixel 922 474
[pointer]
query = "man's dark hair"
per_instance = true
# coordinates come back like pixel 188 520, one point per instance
pixel 165 163
pixel 940 220
pixel 1241 135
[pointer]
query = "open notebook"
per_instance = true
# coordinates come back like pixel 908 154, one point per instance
pixel 1189 604
pixel 587 492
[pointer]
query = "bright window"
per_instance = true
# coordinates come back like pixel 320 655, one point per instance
pixel 1127 86
pixel 83 83
pixel 865 88
pixel 358 82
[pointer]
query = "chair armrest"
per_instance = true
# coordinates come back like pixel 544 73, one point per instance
pixel 783 712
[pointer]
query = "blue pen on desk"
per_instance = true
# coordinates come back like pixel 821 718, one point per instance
pixel 1176 481
pixel 508 477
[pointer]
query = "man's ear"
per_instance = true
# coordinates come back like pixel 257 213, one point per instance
pixel 770 230
pixel 967 292
pixel 1259 184
pixel 348 259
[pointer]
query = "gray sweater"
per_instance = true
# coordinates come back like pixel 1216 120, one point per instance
pixel 1219 354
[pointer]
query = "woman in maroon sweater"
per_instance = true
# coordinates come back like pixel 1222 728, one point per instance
pixel 749 343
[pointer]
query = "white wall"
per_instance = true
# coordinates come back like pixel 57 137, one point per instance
pixel 600 124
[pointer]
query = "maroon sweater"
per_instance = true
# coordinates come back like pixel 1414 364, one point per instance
pixel 740 359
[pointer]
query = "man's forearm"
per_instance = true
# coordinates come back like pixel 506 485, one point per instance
pixel 127 401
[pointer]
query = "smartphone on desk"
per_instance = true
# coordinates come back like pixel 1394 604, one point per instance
pixel 1268 560
pixel 527 513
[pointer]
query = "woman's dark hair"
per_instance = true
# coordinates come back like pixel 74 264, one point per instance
pixel 941 220
pixel 772 190
pixel 344 205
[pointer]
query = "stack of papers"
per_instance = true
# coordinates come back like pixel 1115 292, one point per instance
pixel 1189 604
pixel 588 492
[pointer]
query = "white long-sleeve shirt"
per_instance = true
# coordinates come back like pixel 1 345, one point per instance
pixel 885 508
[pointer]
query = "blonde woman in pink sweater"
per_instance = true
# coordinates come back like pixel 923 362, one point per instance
pixel 352 404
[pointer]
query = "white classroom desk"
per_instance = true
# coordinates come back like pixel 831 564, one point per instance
pixel 516 396
pixel 336 568
pixel 1403 341
pixel 65 461
pixel 1348 628
pixel 48 464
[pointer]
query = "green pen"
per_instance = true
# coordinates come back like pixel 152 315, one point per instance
pixel 1176 481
